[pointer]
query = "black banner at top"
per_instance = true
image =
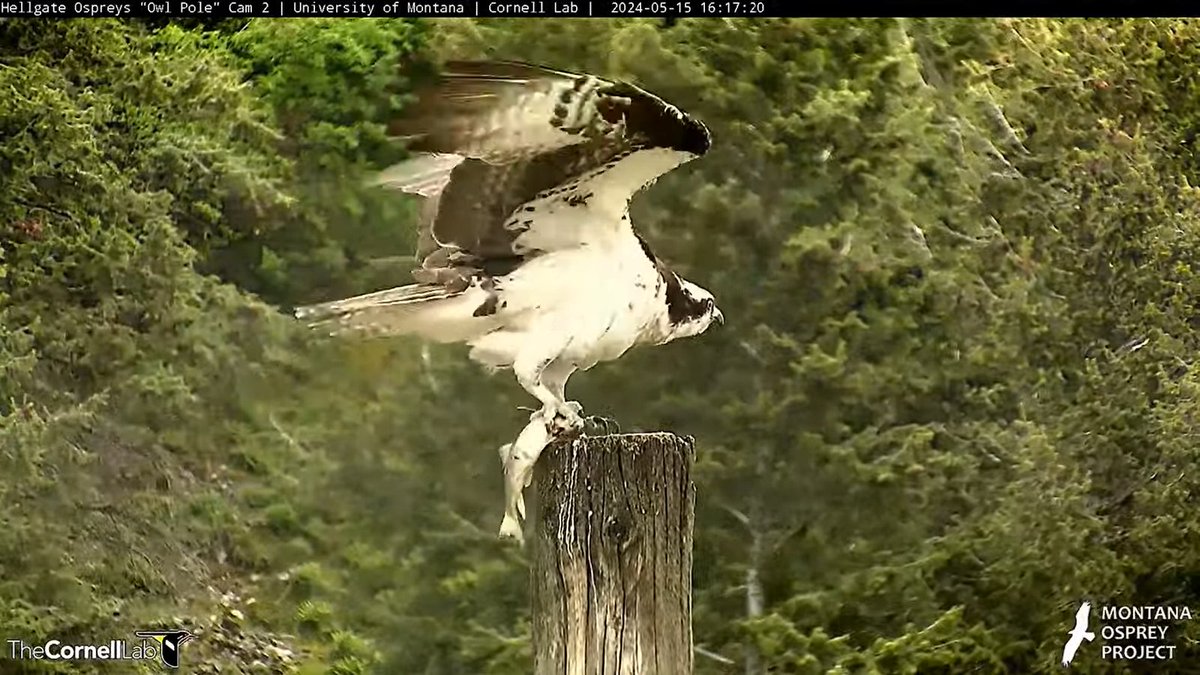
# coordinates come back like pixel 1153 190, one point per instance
pixel 219 9
pixel 668 10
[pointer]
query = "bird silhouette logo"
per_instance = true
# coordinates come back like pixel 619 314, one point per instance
pixel 1078 634
pixel 170 641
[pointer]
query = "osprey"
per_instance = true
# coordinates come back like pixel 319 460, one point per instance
pixel 526 250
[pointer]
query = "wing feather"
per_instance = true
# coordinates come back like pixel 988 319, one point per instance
pixel 495 136
pixel 424 175
pixel 500 110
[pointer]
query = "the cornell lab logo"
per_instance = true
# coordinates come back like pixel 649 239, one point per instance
pixel 152 645
pixel 1128 633
pixel 170 641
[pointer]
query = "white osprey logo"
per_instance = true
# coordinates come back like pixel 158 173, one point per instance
pixel 1078 634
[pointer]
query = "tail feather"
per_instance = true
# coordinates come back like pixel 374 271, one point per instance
pixel 424 174
pixel 436 312
pixel 383 311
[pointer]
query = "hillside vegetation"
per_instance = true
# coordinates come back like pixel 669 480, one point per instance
pixel 954 397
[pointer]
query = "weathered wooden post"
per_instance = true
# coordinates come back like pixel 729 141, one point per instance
pixel 612 556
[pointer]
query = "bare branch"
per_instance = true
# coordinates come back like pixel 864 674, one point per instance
pixel 427 369
pixel 1007 134
pixel 749 349
pixel 48 209
pixel 286 436
pixel 741 517
pixel 699 649
pixel 783 538
pixel 1132 346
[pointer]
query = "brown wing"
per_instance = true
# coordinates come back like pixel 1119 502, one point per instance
pixel 502 111
pixel 499 134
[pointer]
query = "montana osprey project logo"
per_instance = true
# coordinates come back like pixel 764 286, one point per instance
pixel 1078 634
pixel 1126 632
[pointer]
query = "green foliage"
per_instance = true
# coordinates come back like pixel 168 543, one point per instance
pixel 955 396
pixel 332 86
pixel 129 408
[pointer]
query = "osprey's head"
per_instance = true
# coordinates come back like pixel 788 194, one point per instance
pixel 690 309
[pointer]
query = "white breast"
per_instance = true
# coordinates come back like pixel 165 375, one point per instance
pixel 596 300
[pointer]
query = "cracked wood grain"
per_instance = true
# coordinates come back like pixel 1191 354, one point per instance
pixel 612 556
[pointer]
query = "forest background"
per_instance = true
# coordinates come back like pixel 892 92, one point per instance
pixel 955 395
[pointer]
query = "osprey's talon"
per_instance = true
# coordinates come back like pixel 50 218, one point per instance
pixel 565 420
pixel 566 415
pixel 592 426
pixel 596 425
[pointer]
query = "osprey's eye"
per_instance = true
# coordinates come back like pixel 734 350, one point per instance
pixel 709 304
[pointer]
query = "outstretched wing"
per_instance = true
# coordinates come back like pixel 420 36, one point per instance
pixel 501 138
pixel 1069 650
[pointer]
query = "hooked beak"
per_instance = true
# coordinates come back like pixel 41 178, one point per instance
pixel 720 318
